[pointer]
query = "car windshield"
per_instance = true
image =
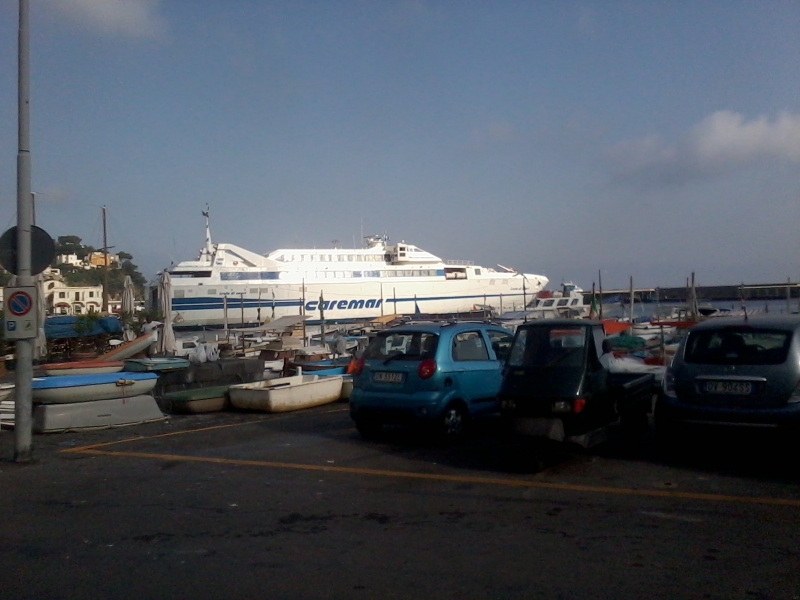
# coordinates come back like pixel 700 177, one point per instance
pixel 402 345
pixel 738 346
pixel 548 347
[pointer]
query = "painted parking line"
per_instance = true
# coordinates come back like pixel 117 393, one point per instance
pixel 95 450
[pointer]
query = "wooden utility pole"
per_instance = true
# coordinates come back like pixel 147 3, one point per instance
pixel 105 264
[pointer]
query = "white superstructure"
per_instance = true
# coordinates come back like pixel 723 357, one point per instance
pixel 230 285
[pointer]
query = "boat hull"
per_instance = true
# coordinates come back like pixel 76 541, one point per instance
pixel 200 400
pixel 286 393
pixel 98 414
pixel 68 389
pixel 143 365
pixel 83 368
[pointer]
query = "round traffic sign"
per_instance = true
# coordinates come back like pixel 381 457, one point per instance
pixel 43 250
pixel 19 303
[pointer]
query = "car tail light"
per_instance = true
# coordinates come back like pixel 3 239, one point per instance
pixel 578 405
pixel 795 397
pixel 359 366
pixel 426 368
pixel 668 384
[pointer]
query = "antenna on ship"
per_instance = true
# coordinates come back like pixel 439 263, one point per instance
pixel 209 248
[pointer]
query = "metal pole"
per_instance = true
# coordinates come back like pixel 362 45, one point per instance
pixel 23 420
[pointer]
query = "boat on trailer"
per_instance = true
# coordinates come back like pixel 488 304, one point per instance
pixel 228 284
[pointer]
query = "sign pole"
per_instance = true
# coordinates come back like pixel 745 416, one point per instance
pixel 23 419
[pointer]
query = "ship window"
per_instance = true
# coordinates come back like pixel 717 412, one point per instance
pixel 440 272
pixel 356 273
pixel 477 271
pixel 402 254
pixel 359 258
pixel 350 257
pixel 184 274
pixel 212 291
pixel 563 302
pixel 548 302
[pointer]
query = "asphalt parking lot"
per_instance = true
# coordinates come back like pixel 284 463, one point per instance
pixel 297 505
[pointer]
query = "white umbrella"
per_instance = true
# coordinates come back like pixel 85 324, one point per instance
pixel 127 308
pixel 166 341
pixel 40 343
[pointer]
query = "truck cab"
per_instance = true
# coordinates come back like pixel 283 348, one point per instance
pixel 557 386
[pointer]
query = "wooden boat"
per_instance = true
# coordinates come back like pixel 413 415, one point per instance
pixel 90 367
pixel 160 364
pixel 129 349
pixel 286 393
pixel 113 412
pixel 198 400
pixel 85 388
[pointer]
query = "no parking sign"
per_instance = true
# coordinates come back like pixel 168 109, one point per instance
pixel 19 305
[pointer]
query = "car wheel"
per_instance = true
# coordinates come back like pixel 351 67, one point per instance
pixel 453 422
pixel 369 428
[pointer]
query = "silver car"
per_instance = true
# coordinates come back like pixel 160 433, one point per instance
pixel 733 371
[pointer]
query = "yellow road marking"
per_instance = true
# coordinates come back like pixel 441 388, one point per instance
pixel 455 478
pixel 270 419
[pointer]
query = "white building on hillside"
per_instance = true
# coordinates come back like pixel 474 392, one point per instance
pixel 66 300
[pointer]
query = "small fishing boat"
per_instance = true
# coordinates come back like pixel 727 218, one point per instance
pixel 286 393
pixel 85 388
pixel 89 367
pixel 160 364
pixel 198 400
pixel 112 412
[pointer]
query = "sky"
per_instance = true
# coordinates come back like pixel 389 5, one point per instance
pixel 585 141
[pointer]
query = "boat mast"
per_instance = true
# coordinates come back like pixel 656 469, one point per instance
pixel 105 264
pixel 209 247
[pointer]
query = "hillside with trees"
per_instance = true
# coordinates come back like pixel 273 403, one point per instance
pixel 78 275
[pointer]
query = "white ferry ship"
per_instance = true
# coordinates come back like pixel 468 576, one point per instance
pixel 227 284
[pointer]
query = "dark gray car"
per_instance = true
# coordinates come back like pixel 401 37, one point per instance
pixel 734 371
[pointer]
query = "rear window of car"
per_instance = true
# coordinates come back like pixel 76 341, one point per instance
pixel 546 347
pixel 402 345
pixel 734 346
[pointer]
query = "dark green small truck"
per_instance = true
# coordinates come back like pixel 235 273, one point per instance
pixel 556 385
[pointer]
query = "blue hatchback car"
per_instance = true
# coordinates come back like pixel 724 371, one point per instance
pixel 440 374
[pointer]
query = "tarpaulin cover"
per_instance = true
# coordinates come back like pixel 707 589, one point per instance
pixel 56 328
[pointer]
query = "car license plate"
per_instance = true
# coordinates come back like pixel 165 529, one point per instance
pixel 387 377
pixel 737 388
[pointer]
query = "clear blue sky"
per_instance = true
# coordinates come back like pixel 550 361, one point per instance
pixel 644 139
